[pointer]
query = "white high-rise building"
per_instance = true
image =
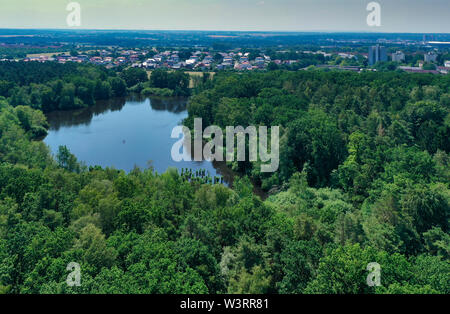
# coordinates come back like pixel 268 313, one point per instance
pixel 430 57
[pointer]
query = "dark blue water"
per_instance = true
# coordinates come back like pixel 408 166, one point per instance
pixel 124 133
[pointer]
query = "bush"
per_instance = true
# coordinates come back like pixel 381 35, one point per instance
pixel 157 92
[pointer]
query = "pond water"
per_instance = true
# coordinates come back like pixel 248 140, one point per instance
pixel 126 132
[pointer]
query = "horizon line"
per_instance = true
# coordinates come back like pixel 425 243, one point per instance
pixel 215 30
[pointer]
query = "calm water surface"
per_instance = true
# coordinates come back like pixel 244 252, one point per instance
pixel 124 133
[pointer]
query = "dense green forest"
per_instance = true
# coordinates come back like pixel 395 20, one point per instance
pixel 364 177
pixel 161 83
pixel 51 86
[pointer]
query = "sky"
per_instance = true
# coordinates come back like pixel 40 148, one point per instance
pixel 414 16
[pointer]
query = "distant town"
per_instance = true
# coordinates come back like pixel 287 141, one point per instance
pixel 201 60
pixel 204 52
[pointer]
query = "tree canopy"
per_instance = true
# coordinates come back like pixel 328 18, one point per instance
pixel 364 177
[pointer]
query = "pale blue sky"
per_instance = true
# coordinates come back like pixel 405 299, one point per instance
pixel 255 15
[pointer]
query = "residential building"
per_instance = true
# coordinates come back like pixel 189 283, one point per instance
pixel 398 56
pixel 430 57
pixel 417 70
pixel 346 55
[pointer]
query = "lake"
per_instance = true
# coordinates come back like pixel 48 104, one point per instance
pixel 126 132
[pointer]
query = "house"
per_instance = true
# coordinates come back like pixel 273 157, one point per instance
pixel 243 66
pixel 209 59
pixel 346 55
pixel 176 66
pixel 149 65
pixel 134 58
pixel 83 57
pixel 104 53
pixel 202 66
pixel 174 58
pixel 96 60
pixel 260 62
pixel 225 65
pixel 191 61
pixel 443 70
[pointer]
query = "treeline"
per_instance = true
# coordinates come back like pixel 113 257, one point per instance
pixel 51 86
pixel 25 73
pixel 161 82
pixel 18 51
pixel 303 60
pixel 295 55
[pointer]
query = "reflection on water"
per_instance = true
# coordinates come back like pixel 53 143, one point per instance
pixel 58 119
pixel 128 132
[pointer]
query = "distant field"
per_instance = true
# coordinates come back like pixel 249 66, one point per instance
pixel 192 73
pixel 45 54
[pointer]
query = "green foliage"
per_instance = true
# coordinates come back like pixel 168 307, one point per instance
pixel 52 86
pixel 364 177
pixel 176 81
pixel 328 117
pixel 165 92
pixel 343 270
pixel 67 160
pixel 299 261
pixel 433 272
pixel 133 76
